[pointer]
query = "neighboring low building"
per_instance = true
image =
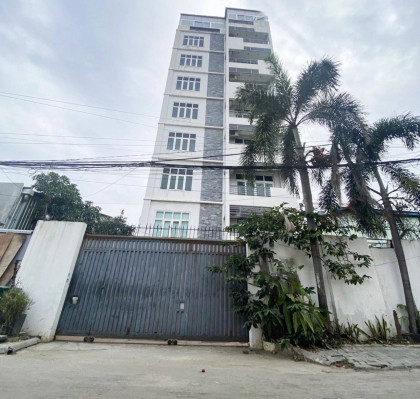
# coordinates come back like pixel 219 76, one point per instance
pixel 17 206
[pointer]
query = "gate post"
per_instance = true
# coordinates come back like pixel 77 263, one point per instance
pixel 46 271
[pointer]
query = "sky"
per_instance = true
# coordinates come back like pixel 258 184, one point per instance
pixel 114 55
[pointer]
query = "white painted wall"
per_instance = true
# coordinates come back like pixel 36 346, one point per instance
pixel 377 296
pixel 46 271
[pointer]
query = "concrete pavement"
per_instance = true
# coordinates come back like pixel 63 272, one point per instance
pixel 83 370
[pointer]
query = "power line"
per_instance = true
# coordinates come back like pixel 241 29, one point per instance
pixel 66 165
pixel 78 110
pixel 2 93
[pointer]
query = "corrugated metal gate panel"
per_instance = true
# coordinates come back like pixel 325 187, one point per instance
pixel 136 288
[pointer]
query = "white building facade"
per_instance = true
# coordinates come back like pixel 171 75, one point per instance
pixel 200 126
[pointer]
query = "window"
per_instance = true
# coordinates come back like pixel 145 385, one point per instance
pixel 196 41
pixel 242 141
pixel 185 83
pixel 185 110
pixel 191 60
pixel 241 17
pixel 261 187
pixel 171 224
pixel 176 179
pixel 181 141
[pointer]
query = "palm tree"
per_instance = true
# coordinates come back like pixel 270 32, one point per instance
pixel 379 193
pixel 278 111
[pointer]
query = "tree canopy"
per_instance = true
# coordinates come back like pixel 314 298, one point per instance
pixel 59 199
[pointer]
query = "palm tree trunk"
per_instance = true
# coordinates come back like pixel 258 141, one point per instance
pixel 399 252
pixel 309 208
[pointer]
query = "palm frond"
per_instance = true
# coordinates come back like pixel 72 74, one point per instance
pixel 361 204
pixel 328 199
pixel 259 101
pixel 281 81
pixel 335 172
pixel 406 181
pixel 336 109
pixel 264 144
pixel 319 77
pixel 403 127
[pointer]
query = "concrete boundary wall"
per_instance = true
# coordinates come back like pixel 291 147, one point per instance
pixel 377 296
pixel 356 304
pixel 46 271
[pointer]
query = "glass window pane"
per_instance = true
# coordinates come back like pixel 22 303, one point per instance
pixel 197 86
pixel 241 187
pixel 184 144
pixel 177 144
pixel 191 85
pixel 172 183
pixel 182 62
pixel 181 172
pixel 188 61
pixel 171 134
pixel 200 62
pixel 185 216
pixel 188 183
pixel 184 229
pixel 188 113
pixel 174 112
pixel 195 113
pixel 189 172
pixel 268 178
pixel 181 112
pixel 201 42
pixel 170 145
pixel 178 83
pixel 164 182
pixel 185 42
pixel 157 228
pixel 185 85
pixel 192 145
pixel 168 215
pixel 159 215
pixel 175 229
pixel 180 183
pixel 166 227
pixel 177 215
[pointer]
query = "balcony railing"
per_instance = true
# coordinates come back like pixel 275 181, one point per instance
pixel 239 114
pixel 188 233
pixel 243 60
pixel 258 41
pixel 259 191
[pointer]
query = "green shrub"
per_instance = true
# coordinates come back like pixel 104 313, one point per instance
pixel 13 304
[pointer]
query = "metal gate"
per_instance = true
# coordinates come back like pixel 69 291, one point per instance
pixel 151 288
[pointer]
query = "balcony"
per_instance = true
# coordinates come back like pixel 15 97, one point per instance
pixel 243 60
pixel 250 53
pixel 245 75
pixel 239 113
pixel 256 41
pixel 251 191
pixel 263 197
pixel 249 35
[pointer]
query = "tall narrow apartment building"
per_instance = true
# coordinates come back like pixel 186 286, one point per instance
pixel 200 125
